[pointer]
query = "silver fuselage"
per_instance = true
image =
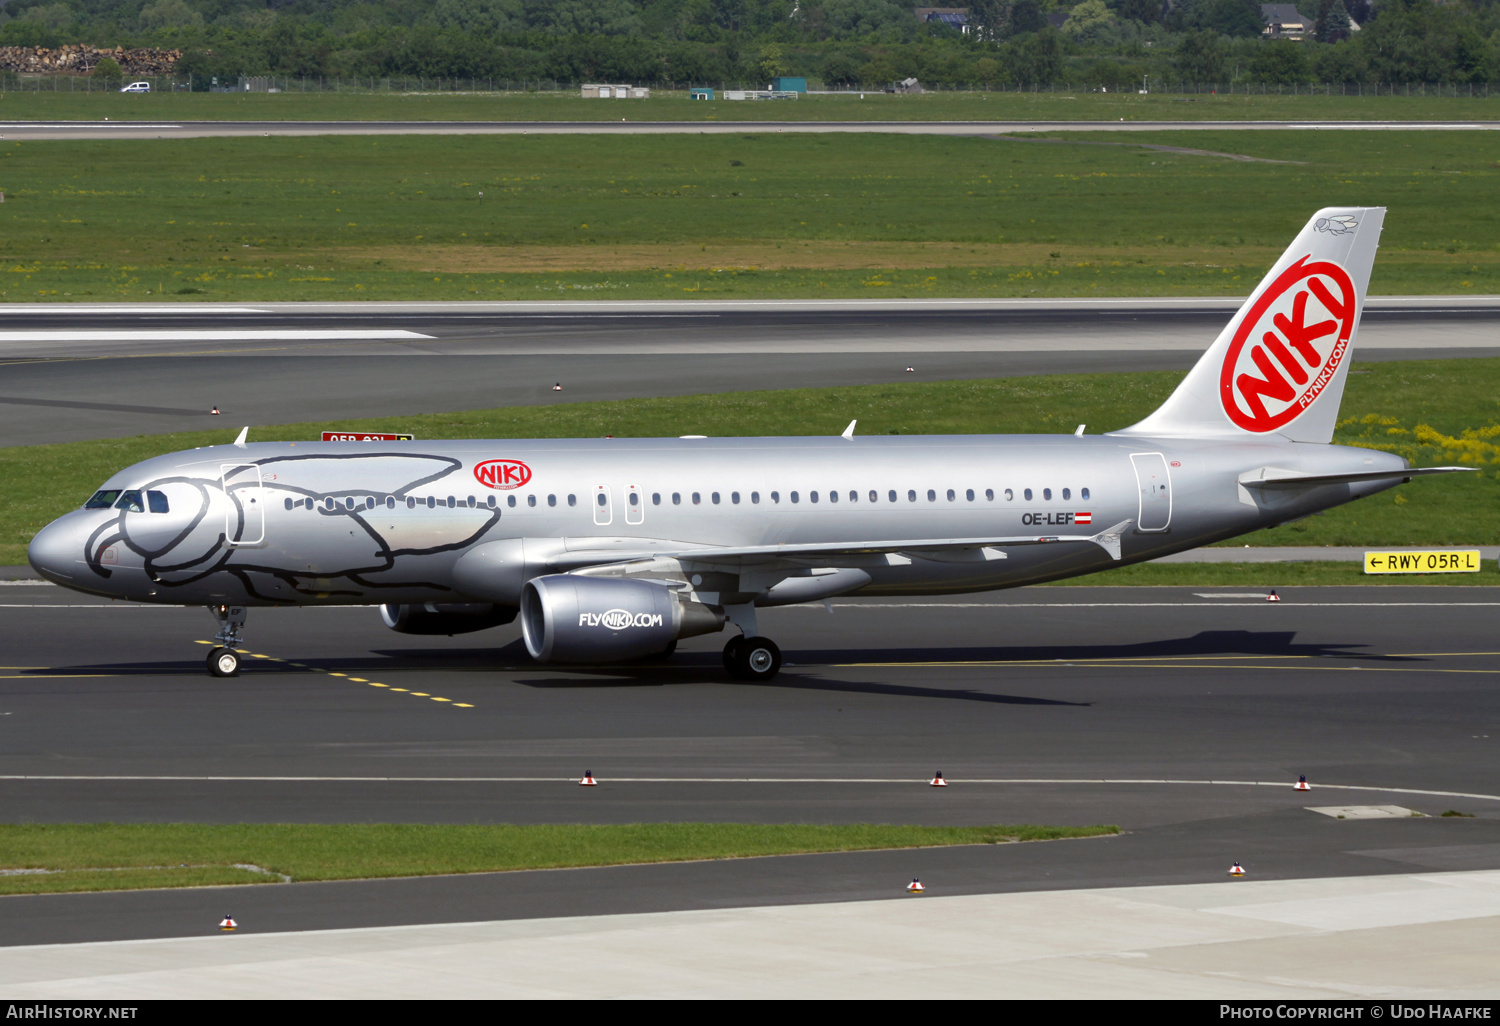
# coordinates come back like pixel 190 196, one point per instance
pixel 312 523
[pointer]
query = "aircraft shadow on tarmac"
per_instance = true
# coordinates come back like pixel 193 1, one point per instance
pixel 804 668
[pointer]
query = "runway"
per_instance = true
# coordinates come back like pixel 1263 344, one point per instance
pixel 96 371
pixel 1182 716
pixel 58 130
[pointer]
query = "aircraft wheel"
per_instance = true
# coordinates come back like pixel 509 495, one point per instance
pixel 224 662
pixel 732 654
pixel 758 659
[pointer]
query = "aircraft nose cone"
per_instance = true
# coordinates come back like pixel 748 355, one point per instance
pixel 56 550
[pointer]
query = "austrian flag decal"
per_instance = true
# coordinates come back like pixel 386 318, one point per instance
pixel 1083 518
pixel 1289 346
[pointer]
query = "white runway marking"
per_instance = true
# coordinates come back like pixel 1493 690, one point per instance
pixel 924 782
pixel 205 335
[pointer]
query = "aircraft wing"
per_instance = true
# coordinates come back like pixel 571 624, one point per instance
pixel 1108 539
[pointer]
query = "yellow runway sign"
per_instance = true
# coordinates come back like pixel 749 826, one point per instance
pixel 1428 561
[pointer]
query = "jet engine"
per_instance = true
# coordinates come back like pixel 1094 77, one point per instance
pixel 446 617
pixel 572 619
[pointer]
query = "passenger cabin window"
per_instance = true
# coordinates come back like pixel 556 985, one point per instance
pixel 573 500
pixel 795 497
pixel 289 504
pixel 531 500
pixel 734 497
pixel 813 496
pixel 952 495
pixel 989 494
pixel 432 502
pixel 677 498
pixel 853 496
pixel 911 495
pixel 411 503
pixel 1047 494
pixel 892 495
pixel 655 498
pixel 1027 494
pixel 1009 495
pixel 510 500
pixel 309 503
pixel 775 496
pixel 489 500
pixel 755 498
pixel 602 498
pixel 1067 493
pixel 552 500
pixel 635 499
pixel 875 496
pixel 370 501
pixel 102 499
pixel 931 495
pixel 1085 493
pixel 697 499
pixel 969 495
pixel 715 498
pixel 833 495
pixel 390 501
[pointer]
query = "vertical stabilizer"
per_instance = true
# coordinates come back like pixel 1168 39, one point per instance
pixel 1278 368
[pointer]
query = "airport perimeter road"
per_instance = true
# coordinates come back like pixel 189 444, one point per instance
pixel 92 371
pixel 210 129
pixel 1183 715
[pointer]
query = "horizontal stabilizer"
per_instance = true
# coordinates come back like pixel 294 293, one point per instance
pixel 1274 476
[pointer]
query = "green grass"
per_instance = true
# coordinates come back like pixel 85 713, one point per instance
pixel 1433 412
pixel 742 215
pixel 675 106
pixel 114 856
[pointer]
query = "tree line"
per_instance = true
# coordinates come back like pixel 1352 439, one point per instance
pixel 839 43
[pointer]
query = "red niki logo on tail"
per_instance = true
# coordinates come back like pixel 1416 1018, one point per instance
pixel 1288 347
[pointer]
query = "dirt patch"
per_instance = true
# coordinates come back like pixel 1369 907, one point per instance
pixel 821 255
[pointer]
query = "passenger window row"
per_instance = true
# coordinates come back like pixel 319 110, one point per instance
pixel 351 504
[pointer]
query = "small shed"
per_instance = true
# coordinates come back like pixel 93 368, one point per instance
pixel 789 85
pixel 908 85
pixel 700 94
pixel 597 91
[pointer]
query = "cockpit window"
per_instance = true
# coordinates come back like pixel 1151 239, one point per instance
pixel 157 502
pixel 130 502
pixel 103 499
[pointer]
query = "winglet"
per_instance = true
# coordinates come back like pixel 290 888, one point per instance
pixel 1109 538
pixel 1079 432
pixel 848 434
pixel 244 433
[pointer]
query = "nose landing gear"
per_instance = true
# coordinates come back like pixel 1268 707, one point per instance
pixel 223 660
pixel 752 659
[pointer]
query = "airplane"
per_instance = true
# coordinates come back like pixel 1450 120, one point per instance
pixel 614 549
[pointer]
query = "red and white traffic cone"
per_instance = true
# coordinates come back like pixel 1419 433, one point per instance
pixel 588 779
pixel 938 780
pixel 1302 784
pixel 557 387
pixel 228 924
pixel 1236 870
pixel 214 412
pixel 1273 597
pixel 911 370
pixel 915 887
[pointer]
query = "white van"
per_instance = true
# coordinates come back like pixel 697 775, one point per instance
pixel 136 87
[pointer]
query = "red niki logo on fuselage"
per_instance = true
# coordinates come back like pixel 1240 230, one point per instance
pixel 1289 346
pixel 502 475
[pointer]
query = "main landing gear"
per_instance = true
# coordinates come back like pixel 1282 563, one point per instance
pixel 752 659
pixel 223 660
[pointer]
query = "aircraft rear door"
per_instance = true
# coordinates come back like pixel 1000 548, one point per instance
pixel 1155 484
pixel 244 505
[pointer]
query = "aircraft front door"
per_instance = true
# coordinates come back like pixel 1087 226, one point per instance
pixel 244 504
pixel 1155 483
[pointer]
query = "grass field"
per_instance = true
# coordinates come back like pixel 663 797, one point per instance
pixel 1433 412
pixel 110 856
pixel 1059 105
pixel 744 215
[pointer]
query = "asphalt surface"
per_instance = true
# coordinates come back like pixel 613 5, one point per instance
pixel 80 372
pixel 1183 715
pixel 168 129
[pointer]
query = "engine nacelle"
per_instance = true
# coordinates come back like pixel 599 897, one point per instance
pixel 446 617
pixel 571 619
